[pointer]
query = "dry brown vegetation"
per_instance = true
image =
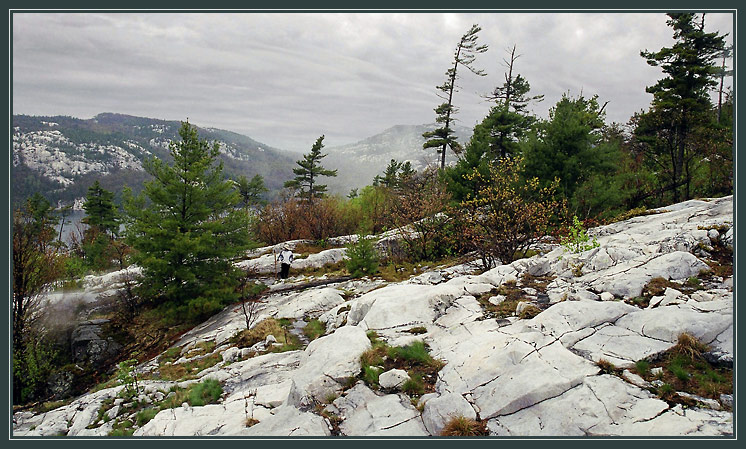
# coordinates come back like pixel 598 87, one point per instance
pixel 459 426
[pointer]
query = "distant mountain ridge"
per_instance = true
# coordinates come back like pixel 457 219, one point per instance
pixel 61 156
pixel 358 163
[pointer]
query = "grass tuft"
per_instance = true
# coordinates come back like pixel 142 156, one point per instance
pixel 144 416
pixel 314 329
pixel 642 367
pixel 415 353
pixel 205 392
pixel 690 347
pixel 460 426
pixel 529 312
pixel 414 386
pixel 606 366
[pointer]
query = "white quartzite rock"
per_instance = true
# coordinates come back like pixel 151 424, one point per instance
pixel 367 414
pixel 394 378
pixel 291 422
pixel 438 411
pixel 404 305
pixel 325 363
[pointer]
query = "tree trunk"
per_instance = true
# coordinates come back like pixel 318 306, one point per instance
pixel 450 106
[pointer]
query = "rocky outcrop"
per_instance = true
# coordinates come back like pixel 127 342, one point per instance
pixel 365 413
pixel 89 345
pixel 523 377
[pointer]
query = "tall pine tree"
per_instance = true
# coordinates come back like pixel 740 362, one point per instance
pixel 498 135
pixel 190 230
pixel 508 121
pixel 307 173
pixel 464 56
pixel 681 102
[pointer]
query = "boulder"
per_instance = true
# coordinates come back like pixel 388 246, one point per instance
pixel 667 323
pixel 310 303
pixel 497 299
pixel 366 414
pixel 618 345
pixel 60 384
pixel 288 421
pixel 231 354
pixel 438 411
pixel 553 369
pixel 326 363
pixel 406 305
pixel 392 379
pixel 225 419
pixel 598 401
pixel 627 280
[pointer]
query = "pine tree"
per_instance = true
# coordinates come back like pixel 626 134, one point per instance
pixel 681 101
pixel 570 146
pixel 443 137
pixel 498 135
pixel 389 177
pixel 509 121
pixel 307 173
pixel 252 191
pixel 101 213
pixel 188 233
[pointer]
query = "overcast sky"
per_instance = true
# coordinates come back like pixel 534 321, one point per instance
pixel 285 79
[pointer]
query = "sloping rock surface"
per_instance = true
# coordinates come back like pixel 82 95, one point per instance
pixel 535 376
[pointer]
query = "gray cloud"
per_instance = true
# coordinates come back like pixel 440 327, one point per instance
pixel 284 79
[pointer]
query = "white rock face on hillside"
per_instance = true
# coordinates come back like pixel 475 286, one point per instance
pixel 40 151
pixel 523 377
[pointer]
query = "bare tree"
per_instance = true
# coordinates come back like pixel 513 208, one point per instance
pixel 250 302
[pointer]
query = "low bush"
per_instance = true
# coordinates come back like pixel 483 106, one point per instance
pixel 507 214
pixel 577 239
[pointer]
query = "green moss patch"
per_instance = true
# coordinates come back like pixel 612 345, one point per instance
pixel 686 369
pixel 413 358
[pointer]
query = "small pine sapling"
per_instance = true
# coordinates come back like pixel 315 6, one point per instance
pixel 578 239
pixel 128 377
pixel 362 258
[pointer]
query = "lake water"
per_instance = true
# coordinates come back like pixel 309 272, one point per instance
pixel 71 224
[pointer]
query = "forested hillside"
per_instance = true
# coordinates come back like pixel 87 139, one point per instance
pixel 62 156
